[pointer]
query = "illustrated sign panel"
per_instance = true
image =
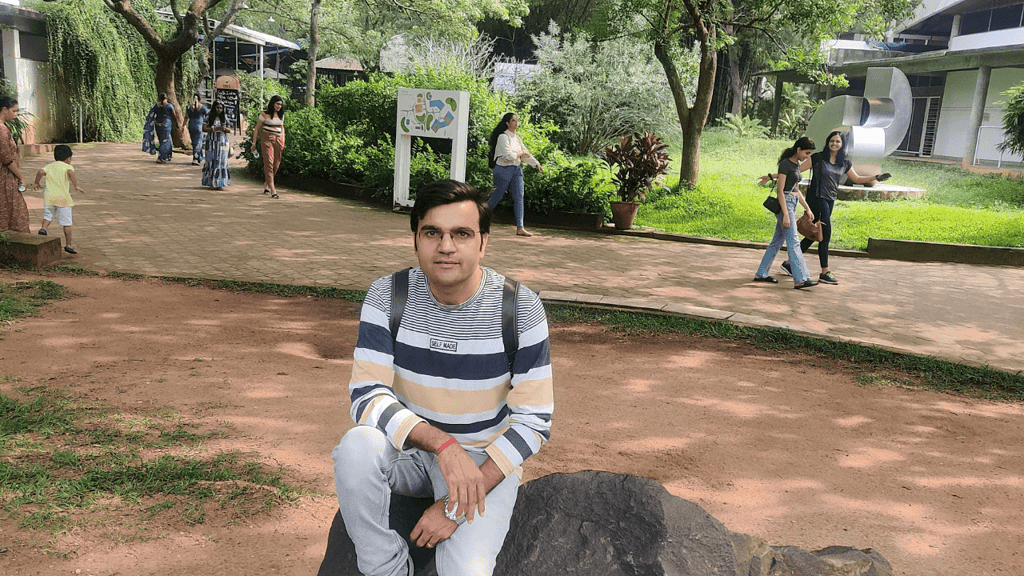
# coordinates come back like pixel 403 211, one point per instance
pixel 429 114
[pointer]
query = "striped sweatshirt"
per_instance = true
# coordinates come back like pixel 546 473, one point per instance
pixel 448 368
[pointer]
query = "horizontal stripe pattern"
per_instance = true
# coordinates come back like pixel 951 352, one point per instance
pixel 448 368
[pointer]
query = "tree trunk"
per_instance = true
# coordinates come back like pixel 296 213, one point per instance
pixel 165 77
pixel 314 44
pixel 736 80
pixel 691 118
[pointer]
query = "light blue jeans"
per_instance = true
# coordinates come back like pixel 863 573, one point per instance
pixel 367 469
pixel 792 239
pixel 506 177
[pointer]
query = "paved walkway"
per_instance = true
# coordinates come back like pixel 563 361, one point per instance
pixel 156 219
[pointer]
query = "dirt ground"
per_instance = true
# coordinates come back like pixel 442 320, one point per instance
pixel 782 446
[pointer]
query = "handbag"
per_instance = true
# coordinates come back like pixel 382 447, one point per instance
pixel 772 204
pixel 808 228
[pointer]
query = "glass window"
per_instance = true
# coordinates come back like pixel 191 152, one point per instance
pixel 975 22
pixel 1008 17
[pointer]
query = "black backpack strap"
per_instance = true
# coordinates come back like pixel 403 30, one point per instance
pixel 509 332
pixel 399 296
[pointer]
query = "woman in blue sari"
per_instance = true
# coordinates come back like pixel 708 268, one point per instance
pixel 160 120
pixel 197 112
pixel 218 149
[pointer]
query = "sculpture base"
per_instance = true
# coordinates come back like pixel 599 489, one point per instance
pixel 880 191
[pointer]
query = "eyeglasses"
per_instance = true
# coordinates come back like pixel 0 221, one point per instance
pixel 461 237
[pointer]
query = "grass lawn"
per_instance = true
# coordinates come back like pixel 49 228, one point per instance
pixel 960 207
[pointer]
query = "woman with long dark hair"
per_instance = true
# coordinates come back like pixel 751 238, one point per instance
pixel 506 161
pixel 270 131
pixel 788 190
pixel 161 120
pixel 197 112
pixel 13 208
pixel 218 149
pixel 829 166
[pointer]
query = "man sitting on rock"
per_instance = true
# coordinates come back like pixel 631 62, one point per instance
pixel 451 390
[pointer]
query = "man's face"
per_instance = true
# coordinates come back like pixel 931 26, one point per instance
pixel 449 247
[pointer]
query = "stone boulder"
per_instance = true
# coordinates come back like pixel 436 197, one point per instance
pixel 604 524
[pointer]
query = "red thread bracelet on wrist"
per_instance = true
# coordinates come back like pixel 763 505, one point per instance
pixel 446 444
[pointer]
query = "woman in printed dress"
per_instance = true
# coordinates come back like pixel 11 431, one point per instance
pixel 13 209
pixel 218 149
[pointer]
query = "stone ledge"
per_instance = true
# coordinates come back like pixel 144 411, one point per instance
pixel 913 251
pixel 30 250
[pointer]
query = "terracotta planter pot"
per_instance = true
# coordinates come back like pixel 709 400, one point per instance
pixel 623 214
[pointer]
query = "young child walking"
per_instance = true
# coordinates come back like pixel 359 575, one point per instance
pixel 60 176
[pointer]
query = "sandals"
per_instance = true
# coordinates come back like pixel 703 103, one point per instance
pixel 274 196
pixel 771 279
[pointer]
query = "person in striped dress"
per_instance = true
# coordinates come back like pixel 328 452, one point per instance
pixel 442 409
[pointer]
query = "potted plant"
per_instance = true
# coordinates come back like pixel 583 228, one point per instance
pixel 640 160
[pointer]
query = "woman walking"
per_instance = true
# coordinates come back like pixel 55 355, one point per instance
pixel 13 208
pixel 160 119
pixel 218 149
pixel 506 161
pixel 197 112
pixel 829 165
pixel 788 190
pixel 270 131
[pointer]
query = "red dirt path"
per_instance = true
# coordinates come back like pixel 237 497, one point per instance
pixel 782 446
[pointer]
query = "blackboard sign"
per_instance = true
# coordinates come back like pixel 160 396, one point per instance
pixel 230 99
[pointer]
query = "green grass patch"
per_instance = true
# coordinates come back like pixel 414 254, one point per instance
pixel 960 207
pixel 21 299
pixel 66 461
pixel 934 374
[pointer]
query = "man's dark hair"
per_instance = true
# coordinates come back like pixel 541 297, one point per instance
pixel 62 152
pixel 161 97
pixel 444 192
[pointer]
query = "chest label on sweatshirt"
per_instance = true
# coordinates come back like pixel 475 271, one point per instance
pixel 444 345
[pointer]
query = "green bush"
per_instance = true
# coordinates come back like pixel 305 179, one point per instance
pixel 567 185
pixel 312 144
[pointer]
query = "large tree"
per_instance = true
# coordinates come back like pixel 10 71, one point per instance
pixel 708 26
pixel 170 49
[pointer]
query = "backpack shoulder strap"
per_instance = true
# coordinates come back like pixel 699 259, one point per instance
pixel 509 329
pixel 399 296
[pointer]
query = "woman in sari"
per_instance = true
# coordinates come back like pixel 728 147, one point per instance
pixel 218 149
pixel 13 209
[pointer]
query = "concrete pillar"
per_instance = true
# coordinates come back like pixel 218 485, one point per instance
pixel 777 105
pixel 977 113
pixel 955 30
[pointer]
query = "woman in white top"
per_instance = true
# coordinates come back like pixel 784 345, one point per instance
pixel 270 130
pixel 507 156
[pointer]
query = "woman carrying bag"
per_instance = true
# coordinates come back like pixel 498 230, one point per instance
pixel 788 194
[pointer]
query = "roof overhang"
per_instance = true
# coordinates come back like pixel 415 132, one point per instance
pixel 241 32
pixel 926 63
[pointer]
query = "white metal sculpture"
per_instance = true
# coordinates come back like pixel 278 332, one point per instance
pixel 874 124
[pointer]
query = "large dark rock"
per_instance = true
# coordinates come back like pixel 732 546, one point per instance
pixel 603 524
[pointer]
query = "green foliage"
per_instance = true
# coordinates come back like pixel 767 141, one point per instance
pixel 596 92
pixel 256 93
pixel 61 455
pixel 745 126
pixel 640 159
pixel 1013 120
pixel 99 62
pixel 568 185
pixel 21 299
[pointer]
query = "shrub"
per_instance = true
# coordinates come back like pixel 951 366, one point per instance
pixel 596 92
pixel 745 126
pixel 567 185
pixel 1013 120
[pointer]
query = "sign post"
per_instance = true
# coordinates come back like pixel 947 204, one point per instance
pixel 228 93
pixel 429 114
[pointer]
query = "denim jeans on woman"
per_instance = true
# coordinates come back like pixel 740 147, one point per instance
pixel 367 469
pixel 504 178
pixel 790 236
pixel 822 209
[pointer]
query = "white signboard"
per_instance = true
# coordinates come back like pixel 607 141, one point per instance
pixel 429 114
